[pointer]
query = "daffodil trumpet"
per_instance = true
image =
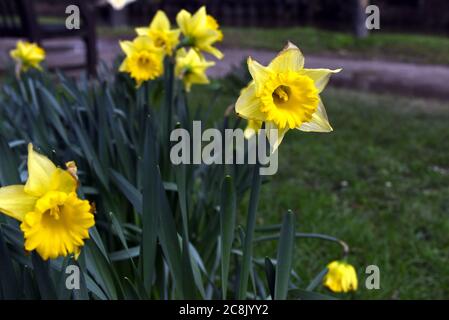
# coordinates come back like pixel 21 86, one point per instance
pixel 54 220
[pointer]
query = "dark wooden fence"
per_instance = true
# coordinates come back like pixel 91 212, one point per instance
pixel 397 15
pixel 400 15
pixel 230 12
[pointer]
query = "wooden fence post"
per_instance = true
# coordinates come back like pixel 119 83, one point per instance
pixel 359 18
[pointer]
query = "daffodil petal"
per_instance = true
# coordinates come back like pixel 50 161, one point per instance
pixel 275 135
pixel 160 21
pixel 183 20
pixel 289 59
pixel 15 202
pixel 252 128
pixel 248 133
pixel 142 31
pixel 198 18
pixel 320 76
pixel 40 171
pixel 126 46
pixel 319 121
pixel 248 104
pixel 215 52
pixel 259 73
pixel 181 53
pixel 143 43
pixel 63 181
pixel 124 66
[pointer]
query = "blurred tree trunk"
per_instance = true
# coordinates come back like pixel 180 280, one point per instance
pixel 359 18
pixel 118 17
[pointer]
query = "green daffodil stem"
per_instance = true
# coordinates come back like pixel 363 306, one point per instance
pixel 169 79
pixel 169 84
pixel 249 233
pixel 250 229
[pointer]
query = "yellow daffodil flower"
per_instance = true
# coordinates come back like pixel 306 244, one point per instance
pixel 252 127
pixel 191 68
pixel 27 55
pixel 161 34
pixel 200 31
pixel 119 4
pixel 285 95
pixel 53 219
pixel 144 61
pixel 341 277
pixel 213 24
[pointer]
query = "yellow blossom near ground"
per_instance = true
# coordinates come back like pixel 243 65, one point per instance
pixel 144 61
pixel 191 68
pixel 285 95
pixel 200 30
pixel 53 219
pixel 161 33
pixel 341 277
pixel 27 55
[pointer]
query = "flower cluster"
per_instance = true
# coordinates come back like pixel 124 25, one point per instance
pixel 53 219
pixel 196 34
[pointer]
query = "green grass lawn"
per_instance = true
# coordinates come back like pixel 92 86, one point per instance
pixel 402 47
pixel 382 45
pixel 380 182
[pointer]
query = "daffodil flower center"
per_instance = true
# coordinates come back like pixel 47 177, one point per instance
pixel 144 65
pixel 280 95
pixel 159 42
pixel 55 212
pixel 144 60
pixel 187 70
pixel 289 99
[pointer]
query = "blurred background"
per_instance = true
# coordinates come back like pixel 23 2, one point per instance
pixel 380 181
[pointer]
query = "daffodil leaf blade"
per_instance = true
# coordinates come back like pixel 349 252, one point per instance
pixel 302 294
pixel 129 191
pixel 44 281
pixel 317 280
pixel 8 280
pixel 270 273
pixel 284 257
pixel 228 209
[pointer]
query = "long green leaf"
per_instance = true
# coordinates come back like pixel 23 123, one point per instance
pixel 8 280
pixel 227 227
pixel 270 272
pixel 284 257
pixel 249 234
pixel 44 281
pixel 188 277
pixel 151 207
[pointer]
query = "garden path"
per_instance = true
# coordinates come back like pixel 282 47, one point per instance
pixel 370 75
pixel 377 75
